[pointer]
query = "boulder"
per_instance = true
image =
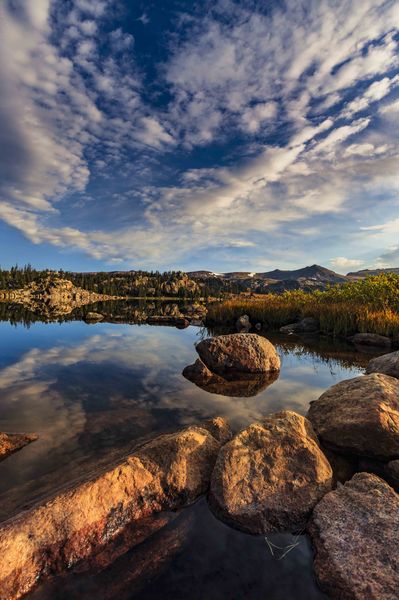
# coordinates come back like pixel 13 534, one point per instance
pixel 354 530
pixel 93 316
pixel 243 322
pixel 359 416
pixel 11 442
pixel 371 339
pixel 306 325
pixel 392 474
pixel 163 474
pixel 239 352
pixel 237 384
pixel 387 364
pixel 270 476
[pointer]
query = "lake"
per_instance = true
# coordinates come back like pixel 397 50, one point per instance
pixel 93 392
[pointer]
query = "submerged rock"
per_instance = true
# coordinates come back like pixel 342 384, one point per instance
pixel 354 530
pixel 11 442
pixel 387 364
pixel 238 385
pixel 371 339
pixel 270 476
pixel 239 352
pixel 164 474
pixel 306 325
pixel 359 416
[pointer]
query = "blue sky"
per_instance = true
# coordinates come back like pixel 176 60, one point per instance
pixel 222 135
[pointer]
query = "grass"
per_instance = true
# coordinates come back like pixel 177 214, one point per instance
pixel 366 305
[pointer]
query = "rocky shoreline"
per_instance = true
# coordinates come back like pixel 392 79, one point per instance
pixel 280 474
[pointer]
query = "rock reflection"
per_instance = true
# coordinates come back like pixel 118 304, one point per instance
pixel 238 385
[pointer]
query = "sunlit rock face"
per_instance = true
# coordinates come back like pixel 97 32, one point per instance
pixel 360 416
pixel 11 442
pixel 354 531
pixel 239 352
pixel 270 476
pixel 166 473
pixel 235 384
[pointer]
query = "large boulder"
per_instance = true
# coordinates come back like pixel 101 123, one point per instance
pixel 11 442
pixel 164 474
pixel 239 352
pixel 238 385
pixel 359 416
pixel 387 364
pixel 371 339
pixel 270 476
pixel 354 530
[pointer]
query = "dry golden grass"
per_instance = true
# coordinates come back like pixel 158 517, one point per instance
pixel 369 305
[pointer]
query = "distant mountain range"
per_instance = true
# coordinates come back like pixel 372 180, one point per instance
pixel 308 278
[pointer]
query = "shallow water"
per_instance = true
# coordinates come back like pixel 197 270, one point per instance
pixel 92 392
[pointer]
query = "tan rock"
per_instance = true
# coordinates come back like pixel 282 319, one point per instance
pixel 93 316
pixel 239 352
pixel 270 476
pixel 359 416
pixel 166 473
pixel 354 531
pixel 11 442
pixel 241 385
pixel 387 364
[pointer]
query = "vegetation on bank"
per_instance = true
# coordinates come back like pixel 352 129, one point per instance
pixel 366 305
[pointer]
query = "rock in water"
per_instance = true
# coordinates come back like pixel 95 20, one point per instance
pixel 359 416
pixel 387 364
pixel 307 325
pixel 371 339
pixel 164 474
pixel 11 442
pixel 243 323
pixel 94 316
pixel 239 352
pixel 270 476
pixel 355 530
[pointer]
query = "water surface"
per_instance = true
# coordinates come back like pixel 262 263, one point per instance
pixel 92 392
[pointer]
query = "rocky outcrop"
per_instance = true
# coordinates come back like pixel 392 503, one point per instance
pixel 359 416
pixel 166 473
pixel 237 384
pixel 11 442
pixel 52 297
pixel 387 364
pixel 354 531
pixel 270 476
pixel 307 325
pixel 239 353
pixel 371 339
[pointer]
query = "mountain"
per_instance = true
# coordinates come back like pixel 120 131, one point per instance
pixel 368 272
pixel 307 278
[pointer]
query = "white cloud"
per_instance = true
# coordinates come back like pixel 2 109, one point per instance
pixel 341 262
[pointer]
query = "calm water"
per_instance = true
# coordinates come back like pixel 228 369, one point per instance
pixel 91 392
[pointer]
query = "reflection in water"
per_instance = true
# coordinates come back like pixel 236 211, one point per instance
pixel 193 556
pixel 235 384
pixel 93 392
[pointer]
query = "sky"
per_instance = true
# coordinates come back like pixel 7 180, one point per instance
pixel 218 135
